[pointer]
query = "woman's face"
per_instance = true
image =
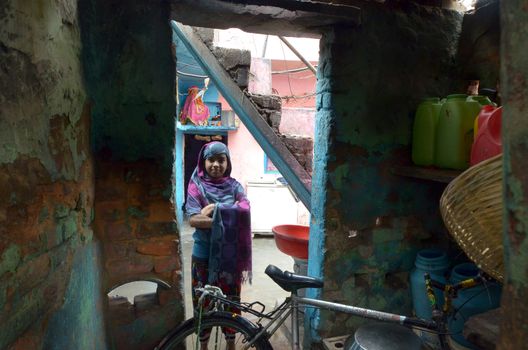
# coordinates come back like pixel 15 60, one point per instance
pixel 216 165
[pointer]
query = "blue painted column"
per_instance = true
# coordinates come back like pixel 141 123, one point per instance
pixel 179 177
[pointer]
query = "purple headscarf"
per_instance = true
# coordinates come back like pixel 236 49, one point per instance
pixel 230 244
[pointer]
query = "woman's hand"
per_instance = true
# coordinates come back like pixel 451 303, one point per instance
pixel 208 210
pixel 200 221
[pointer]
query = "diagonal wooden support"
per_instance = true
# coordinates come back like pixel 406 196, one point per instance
pixel 297 177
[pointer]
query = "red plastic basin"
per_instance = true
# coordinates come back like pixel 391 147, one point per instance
pixel 292 240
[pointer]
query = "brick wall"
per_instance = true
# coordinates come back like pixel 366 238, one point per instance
pixel 46 184
pixel 136 222
pixel 302 149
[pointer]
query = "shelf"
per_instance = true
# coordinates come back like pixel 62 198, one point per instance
pixel 208 130
pixel 432 174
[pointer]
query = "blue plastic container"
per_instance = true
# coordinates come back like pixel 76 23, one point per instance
pixel 471 301
pixel 435 262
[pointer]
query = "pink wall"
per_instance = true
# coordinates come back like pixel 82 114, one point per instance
pixel 246 156
pixel 260 79
pixel 298 121
pixel 298 84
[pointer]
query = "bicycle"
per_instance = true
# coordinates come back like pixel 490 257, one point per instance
pixel 214 321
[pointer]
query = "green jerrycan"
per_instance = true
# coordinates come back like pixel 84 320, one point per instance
pixel 424 131
pixel 454 132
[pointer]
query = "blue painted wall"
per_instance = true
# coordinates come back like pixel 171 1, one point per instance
pixel 367 223
pixel 79 323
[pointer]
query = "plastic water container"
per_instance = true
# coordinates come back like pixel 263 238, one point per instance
pixel 424 131
pixel 454 133
pixel 482 100
pixel 435 262
pixel 488 141
pixel 470 301
pixel 484 114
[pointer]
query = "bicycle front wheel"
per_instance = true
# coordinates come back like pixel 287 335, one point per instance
pixel 216 330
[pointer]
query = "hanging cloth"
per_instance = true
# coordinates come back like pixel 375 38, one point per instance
pixel 194 109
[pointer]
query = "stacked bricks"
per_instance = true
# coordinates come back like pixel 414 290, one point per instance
pixel 269 107
pixel 135 220
pixel 236 63
pixel 302 149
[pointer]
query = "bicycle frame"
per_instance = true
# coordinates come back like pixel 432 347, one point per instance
pixel 292 304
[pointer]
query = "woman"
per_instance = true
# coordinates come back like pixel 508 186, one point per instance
pixel 219 210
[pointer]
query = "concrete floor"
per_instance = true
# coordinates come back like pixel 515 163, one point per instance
pixel 263 289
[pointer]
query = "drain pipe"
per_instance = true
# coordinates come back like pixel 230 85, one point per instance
pixel 298 54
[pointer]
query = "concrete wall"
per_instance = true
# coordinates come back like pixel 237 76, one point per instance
pixel 367 223
pixel 130 74
pixel 478 48
pixel 49 262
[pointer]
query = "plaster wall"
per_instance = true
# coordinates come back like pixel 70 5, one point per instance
pixel 130 77
pixel 367 223
pixel 49 260
pixel 514 77
pixel 298 121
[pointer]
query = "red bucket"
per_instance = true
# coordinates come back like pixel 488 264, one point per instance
pixel 292 240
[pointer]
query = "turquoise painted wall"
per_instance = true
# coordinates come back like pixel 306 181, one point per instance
pixel 130 78
pixel 79 323
pixel 130 75
pixel 367 223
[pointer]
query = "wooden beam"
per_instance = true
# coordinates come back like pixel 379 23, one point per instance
pixel 297 177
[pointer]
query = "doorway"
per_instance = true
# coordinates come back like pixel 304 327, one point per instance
pixel 193 145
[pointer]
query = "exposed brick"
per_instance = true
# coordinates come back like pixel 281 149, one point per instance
pixel 148 229
pixel 166 264
pixel 136 194
pixel 110 211
pixel 110 192
pixel 158 248
pixel 135 265
pixel 32 273
pixel 118 231
pixel 161 211
pixel 116 250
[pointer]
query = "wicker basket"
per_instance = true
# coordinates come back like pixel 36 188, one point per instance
pixel 471 207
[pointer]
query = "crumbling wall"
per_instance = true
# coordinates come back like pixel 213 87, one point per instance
pixel 236 63
pixel 130 74
pixel 50 294
pixel 367 223
pixel 269 107
pixel 302 149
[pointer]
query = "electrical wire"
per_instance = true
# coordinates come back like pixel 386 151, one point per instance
pixel 298 97
pixel 286 66
pixel 292 70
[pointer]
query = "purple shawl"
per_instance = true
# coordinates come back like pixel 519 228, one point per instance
pixel 230 243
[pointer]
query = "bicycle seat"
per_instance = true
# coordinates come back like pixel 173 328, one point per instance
pixel 291 282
